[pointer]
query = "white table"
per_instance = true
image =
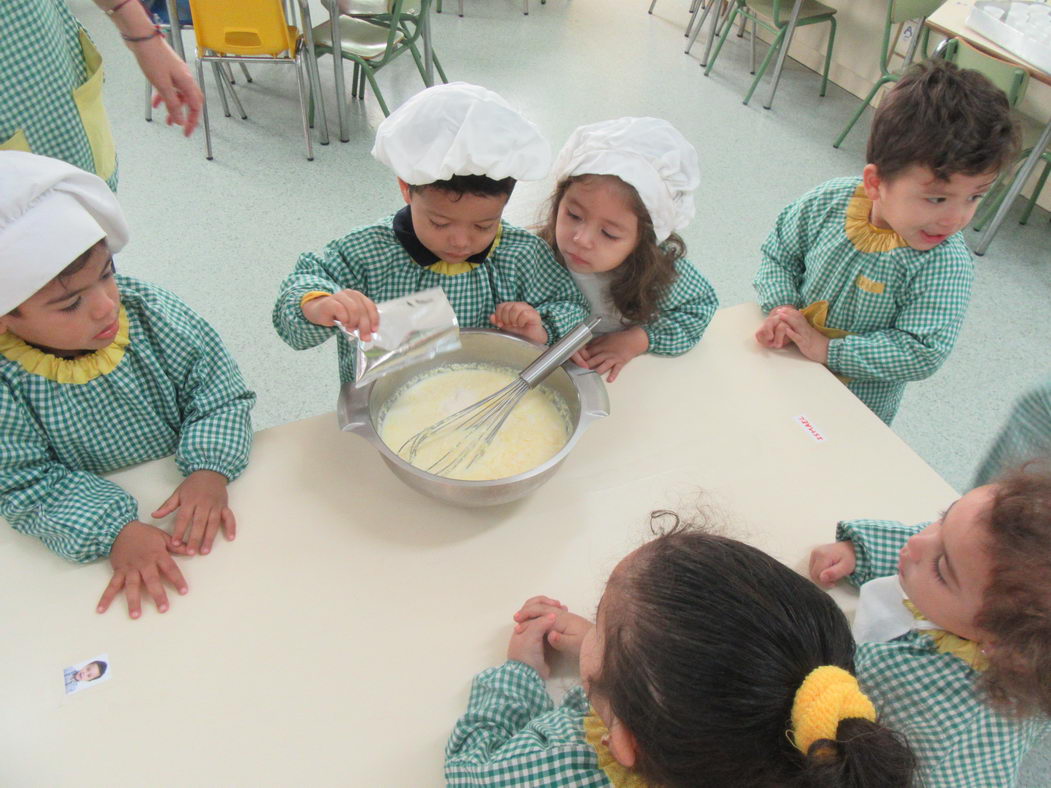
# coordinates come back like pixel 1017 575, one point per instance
pixel 333 643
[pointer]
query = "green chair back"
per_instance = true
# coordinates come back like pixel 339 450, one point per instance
pixel 1011 79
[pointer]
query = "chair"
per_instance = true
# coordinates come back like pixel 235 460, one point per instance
pixel 898 13
pixel 247 31
pixel 811 12
pixel 372 41
pixel 694 6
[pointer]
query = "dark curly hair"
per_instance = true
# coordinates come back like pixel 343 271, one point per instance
pixel 644 277
pixel 706 641
pixel 476 185
pixel 948 119
pixel 1016 607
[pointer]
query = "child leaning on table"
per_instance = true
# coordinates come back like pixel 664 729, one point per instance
pixel 871 276
pixel 954 626
pixel 624 187
pixel 457 151
pixel 100 371
pixel 710 664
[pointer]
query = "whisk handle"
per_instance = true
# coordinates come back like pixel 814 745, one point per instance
pixel 559 353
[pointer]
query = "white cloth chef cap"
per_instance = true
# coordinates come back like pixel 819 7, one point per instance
pixel 50 212
pixel 460 129
pixel 647 153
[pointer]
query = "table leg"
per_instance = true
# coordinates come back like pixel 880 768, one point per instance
pixel 783 53
pixel 428 52
pixel 337 65
pixel 1024 172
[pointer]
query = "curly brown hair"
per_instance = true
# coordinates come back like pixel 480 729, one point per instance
pixel 1016 608
pixel 948 119
pixel 646 274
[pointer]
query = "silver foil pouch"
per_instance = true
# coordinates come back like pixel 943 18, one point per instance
pixel 413 328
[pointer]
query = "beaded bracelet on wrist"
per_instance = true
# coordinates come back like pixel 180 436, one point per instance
pixel 135 39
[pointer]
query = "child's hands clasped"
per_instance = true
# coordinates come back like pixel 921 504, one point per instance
pixel 518 317
pixel 610 352
pixel 830 563
pixel 141 556
pixel 543 618
pixel 353 309
pixel 202 503
pixel 787 324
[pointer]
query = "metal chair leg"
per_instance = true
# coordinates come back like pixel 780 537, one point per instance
pixel 828 54
pixel 717 22
pixel 650 11
pixel 778 42
pixel 755 30
pixel 303 108
pixel 461 9
pixel 698 24
pixel 727 27
pixel 1036 193
pixel 244 70
pixel 149 102
pixel 868 100
pixel 694 8
pixel 204 110
pixel 237 101
pixel 219 77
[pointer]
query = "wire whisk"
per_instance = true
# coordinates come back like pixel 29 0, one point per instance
pixel 471 431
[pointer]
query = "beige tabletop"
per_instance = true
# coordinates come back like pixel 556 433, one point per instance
pixel 334 642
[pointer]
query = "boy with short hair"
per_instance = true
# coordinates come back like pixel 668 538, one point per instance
pixel 871 276
pixel 98 372
pixel 457 151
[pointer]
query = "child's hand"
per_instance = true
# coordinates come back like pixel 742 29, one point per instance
pixel 830 563
pixel 610 352
pixel 527 643
pixel 517 317
pixel 581 358
pixel 569 629
pixel 811 342
pixel 201 500
pixel 353 309
pixel 771 332
pixel 140 557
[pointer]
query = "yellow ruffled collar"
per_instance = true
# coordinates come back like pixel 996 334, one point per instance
pixel 68 370
pixel 595 732
pixel 865 236
pixel 947 643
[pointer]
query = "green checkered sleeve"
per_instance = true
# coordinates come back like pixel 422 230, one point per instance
pixel 783 264
pixel 513 736
pixel 925 328
pixel 312 273
pixel 74 513
pixel 685 312
pixel 214 402
pixel 1026 435
pixel 876 545
pixel 542 283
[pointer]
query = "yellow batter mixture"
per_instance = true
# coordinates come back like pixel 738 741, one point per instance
pixel 536 429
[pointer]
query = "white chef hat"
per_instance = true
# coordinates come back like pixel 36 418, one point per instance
pixel 50 212
pixel 647 153
pixel 460 129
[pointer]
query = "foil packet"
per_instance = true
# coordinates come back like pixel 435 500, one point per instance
pixel 413 328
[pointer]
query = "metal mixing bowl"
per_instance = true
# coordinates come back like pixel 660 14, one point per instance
pixel 583 392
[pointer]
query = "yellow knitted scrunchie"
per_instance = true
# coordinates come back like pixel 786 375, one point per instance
pixel 827 696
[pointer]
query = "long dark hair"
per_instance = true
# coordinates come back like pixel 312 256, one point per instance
pixel 706 641
pixel 644 277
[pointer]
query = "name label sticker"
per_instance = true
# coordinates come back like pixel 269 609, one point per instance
pixel 808 427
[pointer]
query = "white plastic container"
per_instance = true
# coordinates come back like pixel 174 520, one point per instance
pixel 1022 28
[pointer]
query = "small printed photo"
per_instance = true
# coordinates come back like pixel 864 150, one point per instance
pixel 87 674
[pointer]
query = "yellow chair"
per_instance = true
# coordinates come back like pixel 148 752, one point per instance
pixel 248 31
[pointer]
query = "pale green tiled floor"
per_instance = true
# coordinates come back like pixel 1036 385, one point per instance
pixel 224 233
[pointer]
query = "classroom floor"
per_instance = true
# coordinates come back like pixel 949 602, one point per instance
pixel 223 234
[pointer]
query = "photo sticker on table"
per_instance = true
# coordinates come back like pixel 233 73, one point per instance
pixel 87 674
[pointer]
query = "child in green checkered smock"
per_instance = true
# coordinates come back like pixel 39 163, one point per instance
pixel 871 276
pixel 954 628
pixel 99 372
pixel 457 151
pixel 1026 435
pixel 623 188
pixel 709 664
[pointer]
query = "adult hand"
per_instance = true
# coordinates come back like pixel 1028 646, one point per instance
pixel 202 503
pixel 830 563
pixel 353 309
pixel 172 80
pixel 518 317
pixel 140 557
